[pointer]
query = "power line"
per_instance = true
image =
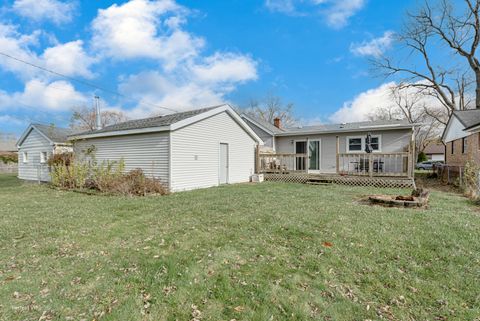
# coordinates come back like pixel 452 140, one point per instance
pixel 85 83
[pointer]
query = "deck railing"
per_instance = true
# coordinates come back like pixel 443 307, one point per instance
pixel 282 163
pixel 374 164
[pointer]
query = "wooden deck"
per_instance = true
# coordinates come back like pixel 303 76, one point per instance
pixel 323 179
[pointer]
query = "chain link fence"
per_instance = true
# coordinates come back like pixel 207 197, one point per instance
pixel 465 177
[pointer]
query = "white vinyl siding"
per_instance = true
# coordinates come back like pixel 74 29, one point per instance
pixel 196 153
pixel 148 152
pixel 391 141
pixel 32 147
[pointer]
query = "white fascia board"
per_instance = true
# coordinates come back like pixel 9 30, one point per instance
pixel 27 132
pixel 121 132
pixel 357 130
pixel 454 130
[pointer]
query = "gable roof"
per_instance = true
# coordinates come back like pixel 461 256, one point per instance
pixel 166 123
pixel 461 124
pixel 266 126
pixel 468 118
pixel 159 121
pixel 348 127
pixel 55 135
pixel 434 148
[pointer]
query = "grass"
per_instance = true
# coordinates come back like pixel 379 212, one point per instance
pixel 245 252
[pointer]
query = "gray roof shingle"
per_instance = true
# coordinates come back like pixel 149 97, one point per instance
pixel 364 126
pixel 468 118
pixel 151 122
pixel 264 124
pixel 55 134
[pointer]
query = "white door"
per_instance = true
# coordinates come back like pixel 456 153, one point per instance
pixel 223 170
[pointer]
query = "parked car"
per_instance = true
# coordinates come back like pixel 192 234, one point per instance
pixel 427 165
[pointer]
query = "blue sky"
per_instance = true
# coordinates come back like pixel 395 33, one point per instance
pixel 190 53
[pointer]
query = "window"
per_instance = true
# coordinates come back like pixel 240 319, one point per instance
pixel 464 145
pixel 43 157
pixel 355 144
pixel 453 147
pixel 25 157
pixel 375 143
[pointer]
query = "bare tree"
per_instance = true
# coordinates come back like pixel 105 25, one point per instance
pixel 412 105
pixel 269 109
pixel 431 29
pixel 83 118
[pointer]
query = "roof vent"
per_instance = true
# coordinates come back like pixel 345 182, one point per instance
pixel 342 125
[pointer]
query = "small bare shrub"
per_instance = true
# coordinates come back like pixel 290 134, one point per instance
pixel 471 179
pixel 107 177
pixel 60 159
pixel 135 183
pixel 8 158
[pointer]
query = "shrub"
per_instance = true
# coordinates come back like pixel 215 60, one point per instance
pixel 135 183
pixel 70 177
pixel 471 179
pixel 422 157
pixel 107 177
pixel 60 159
pixel 9 158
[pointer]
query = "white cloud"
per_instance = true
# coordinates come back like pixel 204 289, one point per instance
pixel 40 95
pixel 135 30
pixel 68 58
pixel 153 89
pixel 283 6
pixel 335 12
pixel 11 120
pixel 364 104
pixel 225 68
pixel 341 10
pixel 375 47
pixel 38 10
pixel 380 99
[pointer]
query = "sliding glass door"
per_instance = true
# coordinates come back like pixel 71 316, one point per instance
pixel 312 150
pixel 314 155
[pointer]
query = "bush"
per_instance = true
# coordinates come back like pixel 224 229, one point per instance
pixel 107 177
pixel 70 177
pixel 9 158
pixel 60 159
pixel 471 179
pixel 422 157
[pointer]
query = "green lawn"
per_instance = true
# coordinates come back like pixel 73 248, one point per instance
pixel 244 252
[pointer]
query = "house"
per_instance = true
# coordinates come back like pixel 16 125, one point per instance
pixel 435 151
pixel 337 148
pixel 187 150
pixel 461 137
pixel 35 146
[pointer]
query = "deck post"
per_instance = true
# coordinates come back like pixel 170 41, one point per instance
pixel 370 164
pixel 257 159
pixel 338 155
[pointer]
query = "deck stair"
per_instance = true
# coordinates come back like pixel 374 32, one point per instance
pixel 318 180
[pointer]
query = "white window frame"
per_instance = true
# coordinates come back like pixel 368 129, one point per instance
pixel 362 144
pixel 24 157
pixel 43 160
pixel 362 151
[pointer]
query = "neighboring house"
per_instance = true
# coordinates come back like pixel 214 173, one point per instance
pixel 435 151
pixel 188 150
pixel 461 137
pixel 339 148
pixel 35 146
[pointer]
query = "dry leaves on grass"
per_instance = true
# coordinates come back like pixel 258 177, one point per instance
pixel 196 313
pixel 327 244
